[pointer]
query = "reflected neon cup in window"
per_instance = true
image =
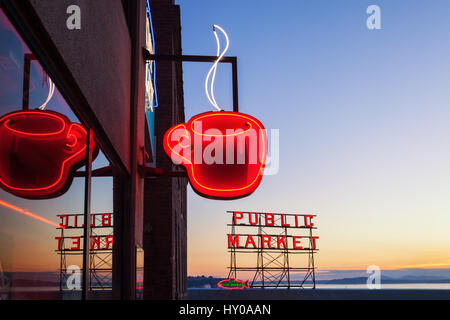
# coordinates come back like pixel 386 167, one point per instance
pixel 223 152
pixel 38 152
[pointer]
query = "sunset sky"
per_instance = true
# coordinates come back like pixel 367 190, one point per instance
pixel 363 118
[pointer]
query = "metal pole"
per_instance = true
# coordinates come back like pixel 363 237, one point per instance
pixel 61 262
pixel 232 253
pixel 235 85
pixel 287 261
pixel 314 274
pixel 312 259
pixel 26 80
pixel 87 217
pixel 261 250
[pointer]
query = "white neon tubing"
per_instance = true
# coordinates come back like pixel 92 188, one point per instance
pixel 207 89
pixel 213 70
pixel 51 91
pixel 220 57
pixel 207 80
pixel 213 79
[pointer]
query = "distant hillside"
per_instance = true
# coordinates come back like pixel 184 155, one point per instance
pixel 406 279
pixel 211 282
pixel 203 282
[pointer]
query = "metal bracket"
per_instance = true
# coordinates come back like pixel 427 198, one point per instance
pixel 147 172
pixel 101 172
pixel 28 57
pixel 194 58
pixel 144 172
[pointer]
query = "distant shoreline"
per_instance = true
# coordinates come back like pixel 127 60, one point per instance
pixel 202 281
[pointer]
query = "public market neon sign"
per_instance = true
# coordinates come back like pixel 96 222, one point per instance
pixel 272 241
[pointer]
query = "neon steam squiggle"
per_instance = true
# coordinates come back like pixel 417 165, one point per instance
pixel 210 89
pixel 51 91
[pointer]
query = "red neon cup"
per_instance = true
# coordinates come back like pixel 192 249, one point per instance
pixel 38 151
pixel 224 153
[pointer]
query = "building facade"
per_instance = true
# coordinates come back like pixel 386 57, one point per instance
pixel 85 59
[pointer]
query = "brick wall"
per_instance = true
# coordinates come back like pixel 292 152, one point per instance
pixel 165 243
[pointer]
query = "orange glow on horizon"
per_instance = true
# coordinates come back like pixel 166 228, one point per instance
pixel 436 265
pixel 30 214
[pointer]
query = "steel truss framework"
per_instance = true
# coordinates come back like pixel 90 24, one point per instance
pixel 100 262
pixel 275 267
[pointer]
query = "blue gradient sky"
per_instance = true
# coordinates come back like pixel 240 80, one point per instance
pixel 363 118
pixel 364 137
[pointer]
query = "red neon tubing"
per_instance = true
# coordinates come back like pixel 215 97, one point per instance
pixel 58 153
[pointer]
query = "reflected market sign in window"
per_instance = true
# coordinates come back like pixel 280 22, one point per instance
pixel 39 152
pixel 101 226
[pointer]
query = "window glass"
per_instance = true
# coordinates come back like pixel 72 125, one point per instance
pixel 151 98
pixel 31 266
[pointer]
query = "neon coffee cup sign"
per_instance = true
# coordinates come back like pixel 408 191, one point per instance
pixel 39 150
pixel 223 152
